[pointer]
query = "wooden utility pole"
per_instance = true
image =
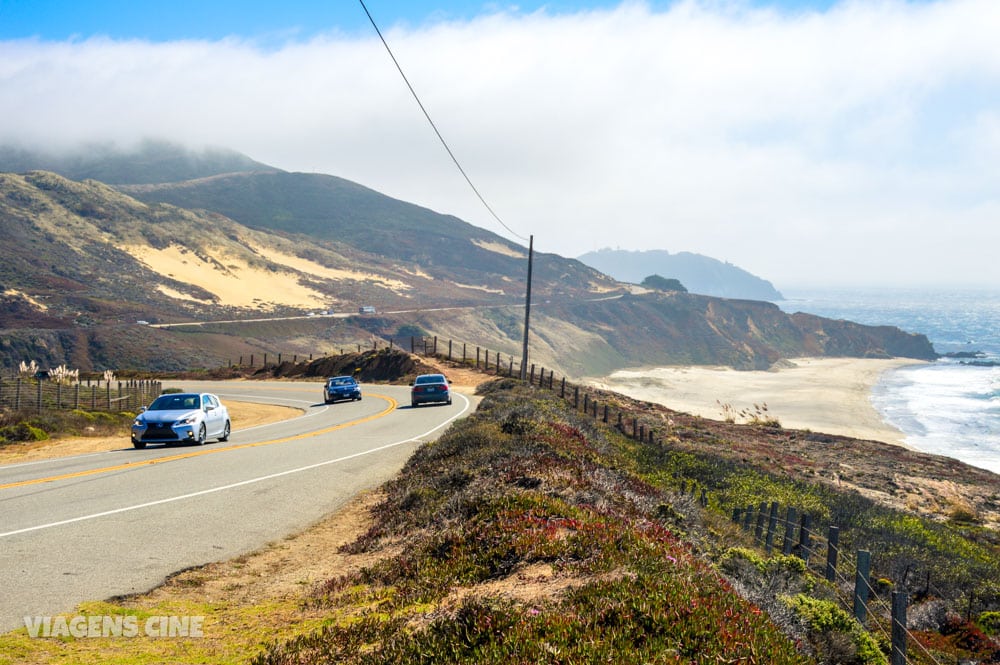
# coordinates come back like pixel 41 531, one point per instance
pixel 527 310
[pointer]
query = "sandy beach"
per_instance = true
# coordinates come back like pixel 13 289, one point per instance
pixel 831 395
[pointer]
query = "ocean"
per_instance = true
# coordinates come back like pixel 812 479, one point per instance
pixel 951 406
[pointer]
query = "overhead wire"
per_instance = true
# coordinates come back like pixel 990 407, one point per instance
pixel 427 115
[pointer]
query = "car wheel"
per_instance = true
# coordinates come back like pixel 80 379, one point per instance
pixel 139 444
pixel 449 401
pixel 202 435
pixel 413 405
pixel 225 433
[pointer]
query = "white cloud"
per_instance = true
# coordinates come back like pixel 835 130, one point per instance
pixel 839 146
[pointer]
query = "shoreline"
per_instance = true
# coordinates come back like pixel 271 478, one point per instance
pixel 829 395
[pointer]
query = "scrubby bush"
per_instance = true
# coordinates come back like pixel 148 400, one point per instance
pixel 21 432
pixel 834 633
pixel 990 623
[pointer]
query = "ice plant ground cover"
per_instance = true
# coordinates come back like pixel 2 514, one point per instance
pixel 635 572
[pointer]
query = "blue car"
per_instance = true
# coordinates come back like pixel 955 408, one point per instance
pixel 181 418
pixel 428 388
pixel 341 387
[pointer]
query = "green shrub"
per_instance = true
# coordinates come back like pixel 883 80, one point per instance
pixel 990 622
pixel 22 432
pixel 826 621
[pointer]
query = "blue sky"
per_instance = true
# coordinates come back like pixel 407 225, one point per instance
pixel 199 19
pixel 813 143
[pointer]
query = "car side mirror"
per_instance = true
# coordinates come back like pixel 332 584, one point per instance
pixel 209 408
pixel 142 409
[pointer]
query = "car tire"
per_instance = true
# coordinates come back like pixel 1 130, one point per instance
pixel 139 444
pixel 448 402
pixel 414 405
pixel 202 435
pixel 225 433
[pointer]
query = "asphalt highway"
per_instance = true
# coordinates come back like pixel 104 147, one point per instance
pixel 90 527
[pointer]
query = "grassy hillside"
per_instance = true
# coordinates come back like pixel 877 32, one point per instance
pixel 329 208
pixel 527 487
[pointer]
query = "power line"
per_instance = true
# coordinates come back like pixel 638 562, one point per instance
pixel 434 127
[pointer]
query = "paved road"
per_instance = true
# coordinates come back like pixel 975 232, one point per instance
pixel 93 526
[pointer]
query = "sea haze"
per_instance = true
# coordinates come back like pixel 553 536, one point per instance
pixel 948 407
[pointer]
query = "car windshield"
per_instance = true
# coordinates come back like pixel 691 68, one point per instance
pixel 175 402
pixel 431 378
pixel 346 381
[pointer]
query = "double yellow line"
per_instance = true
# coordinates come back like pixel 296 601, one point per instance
pixel 209 451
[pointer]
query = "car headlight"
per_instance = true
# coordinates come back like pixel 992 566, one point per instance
pixel 190 420
pixel 138 423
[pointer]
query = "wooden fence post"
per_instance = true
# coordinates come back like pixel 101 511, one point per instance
pixel 772 525
pixel 899 600
pixel 576 397
pixel 832 542
pixel 790 516
pixel 861 586
pixel 747 518
pixel 605 414
pixel 586 402
pixel 805 537
pixel 449 350
pixel 758 532
pixel 562 388
pixel 435 345
pixel 736 515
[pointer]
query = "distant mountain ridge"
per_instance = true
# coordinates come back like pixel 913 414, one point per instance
pixel 698 273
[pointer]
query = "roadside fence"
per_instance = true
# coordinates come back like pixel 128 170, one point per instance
pixel 27 394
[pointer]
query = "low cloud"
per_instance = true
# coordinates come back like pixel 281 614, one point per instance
pixel 851 146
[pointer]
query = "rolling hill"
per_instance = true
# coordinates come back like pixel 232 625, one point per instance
pixel 83 262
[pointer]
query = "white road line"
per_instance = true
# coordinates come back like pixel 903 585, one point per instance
pixel 242 483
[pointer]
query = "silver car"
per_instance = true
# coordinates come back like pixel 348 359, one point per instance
pixel 181 418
